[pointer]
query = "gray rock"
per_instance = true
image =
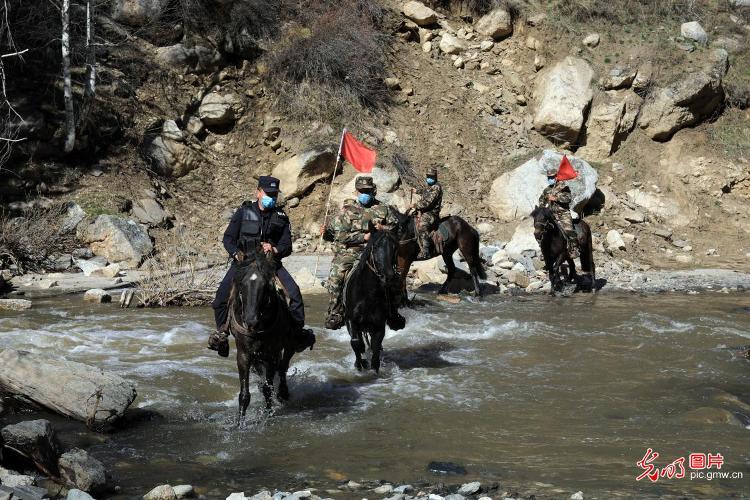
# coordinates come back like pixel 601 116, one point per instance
pixel 496 24
pixel 14 304
pixel 615 241
pixel 300 172
pixel 469 488
pixel 117 239
pixel 694 31
pixel 97 296
pixel 404 488
pixel 35 439
pixel 78 495
pixel 60 262
pixel 84 253
pixel 450 44
pixel 85 472
pixel 634 217
pixel 217 110
pixel 385 489
pixel 184 491
pixel 455 497
pixel 592 40
pixel 419 13
pixel 138 12
pixel 74 215
pixel 162 492
pixel 663 233
pixel 12 480
pixel 150 212
pixel 90 266
pixel 262 495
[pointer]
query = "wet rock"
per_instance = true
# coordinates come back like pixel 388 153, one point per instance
pixel 469 488
pixel 404 488
pixel 419 13
pixel 450 44
pixel 97 296
pixel 39 378
pixel 220 110
pixel 83 471
pixel 78 495
pixel 385 489
pixel 353 485
pixel 117 239
pixel 433 496
pixel 241 496
pixel 47 283
pixel 34 439
pixel 184 491
pixel 563 94
pixel 163 492
pixel 12 480
pixel 446 468
pixel 577 496
pixel 694 31
pixel 496 24
pixel 455 497
pixel 302 494
pixel 300 172
pixel 14 304
pixel 262 495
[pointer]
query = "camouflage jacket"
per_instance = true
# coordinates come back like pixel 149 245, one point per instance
pixel 560 191
pixel 348 229
pixel 430 200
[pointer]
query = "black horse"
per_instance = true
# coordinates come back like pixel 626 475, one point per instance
pixel 455 234
pixel 367 297
pixel 262 325
pixel 554 247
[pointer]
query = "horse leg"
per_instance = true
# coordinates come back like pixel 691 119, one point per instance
pixel 470 250
pixel 449 265
pixel 283 392
pixel 377 347
pixel 358 346
pixel 557 281
pixel 403 270
pixel 243 366
pixel 270 369
pixel 572 274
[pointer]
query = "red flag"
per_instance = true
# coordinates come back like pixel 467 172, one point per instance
pixel 360 156
pixel 566 171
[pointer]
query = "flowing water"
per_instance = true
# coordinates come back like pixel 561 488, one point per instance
pixel 546 395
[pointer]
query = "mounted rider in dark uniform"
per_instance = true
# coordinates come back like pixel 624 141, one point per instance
pixel 428 211
pixel 259 223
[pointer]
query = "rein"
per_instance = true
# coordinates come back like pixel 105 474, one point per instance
pixel 239 326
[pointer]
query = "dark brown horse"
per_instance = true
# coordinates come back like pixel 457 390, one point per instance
pixel 554 248
pixel 262 326
pixel 456 234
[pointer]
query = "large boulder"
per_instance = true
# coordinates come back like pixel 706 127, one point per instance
pixel 522 244
pixel 497 24
pixel 197 57
pixel 168 154
pixel 74 214
pixel 687 101
pixel 34 439
pixel 514 194
pixel 300 172
pixel 611 120
pixel 563 95
pixel 419 13
pixel 118 239
pixel 694 31
pixel 138 12
pixel 220 110
pixel 90 394
pixel 659 205
pixel 81 470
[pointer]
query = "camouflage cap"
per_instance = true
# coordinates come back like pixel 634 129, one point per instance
pixel 364 182
pixel 432 171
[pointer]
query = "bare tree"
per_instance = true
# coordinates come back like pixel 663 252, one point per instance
pixel 70 138
pixel 8 130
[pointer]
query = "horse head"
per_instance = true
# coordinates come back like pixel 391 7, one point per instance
pixel 543 221
pixel 380 254
pixel 254 285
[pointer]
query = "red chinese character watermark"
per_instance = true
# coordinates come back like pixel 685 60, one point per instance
pixel 676 468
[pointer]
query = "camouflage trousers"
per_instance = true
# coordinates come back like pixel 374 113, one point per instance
pixel 425 224
pixel 342 263
pixel 565 220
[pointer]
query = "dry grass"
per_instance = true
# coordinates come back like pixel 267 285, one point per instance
pixel 330 63
pixel 480 7
pixel 731 133
pixel 177 276
pixel 29 241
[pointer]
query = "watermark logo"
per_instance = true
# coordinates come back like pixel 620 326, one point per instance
pixel 700 466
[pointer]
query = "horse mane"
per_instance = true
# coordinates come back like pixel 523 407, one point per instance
pixel 263 263
pixel 375 238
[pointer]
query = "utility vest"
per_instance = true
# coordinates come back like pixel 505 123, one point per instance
pixel 253 231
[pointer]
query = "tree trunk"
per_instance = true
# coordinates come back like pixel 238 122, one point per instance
pixel 90 51
pixel 75 390
pixel 70 138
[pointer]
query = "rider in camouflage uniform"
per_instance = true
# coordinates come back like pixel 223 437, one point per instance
pixel 557 196
pixel 428 211
pixel 350 231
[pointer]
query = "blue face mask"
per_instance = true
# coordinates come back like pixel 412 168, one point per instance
pixel 551 181
pixel 431 181
pixel 364 198
pixel 267 201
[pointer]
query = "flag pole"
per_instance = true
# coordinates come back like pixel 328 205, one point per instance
pixel 328 202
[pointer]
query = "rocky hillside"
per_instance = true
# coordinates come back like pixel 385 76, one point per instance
pixel 654 97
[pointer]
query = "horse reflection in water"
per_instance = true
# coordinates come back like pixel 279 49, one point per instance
pixel 263 327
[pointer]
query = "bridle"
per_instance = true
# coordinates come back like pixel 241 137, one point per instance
pixel 263 325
